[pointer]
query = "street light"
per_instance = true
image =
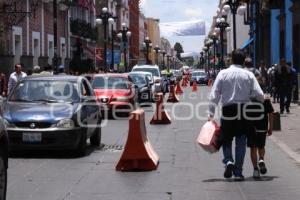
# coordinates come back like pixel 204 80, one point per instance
pixel 214 38
pixel 205 49
pixel 201 59
pixel 124 34
pixel 156 49
pixel 147 47
pixel 105 18
pixel 168 62
pixel 234 6
pixel 221 27
pixel 164 53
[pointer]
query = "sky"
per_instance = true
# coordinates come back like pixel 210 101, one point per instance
pixel 182 10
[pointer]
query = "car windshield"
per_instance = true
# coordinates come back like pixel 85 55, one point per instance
pixel 199 74
pixel 153 71
pixel 110 83
pixel 138 79
pixel 50 91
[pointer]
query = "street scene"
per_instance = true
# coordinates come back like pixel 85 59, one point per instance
pixel 118 99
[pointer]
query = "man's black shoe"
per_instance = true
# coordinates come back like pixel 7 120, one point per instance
pixel 239 178
pixel 229 170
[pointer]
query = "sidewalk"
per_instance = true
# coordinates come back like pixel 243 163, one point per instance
pixel 288 139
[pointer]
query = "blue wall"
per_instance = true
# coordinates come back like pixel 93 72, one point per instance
pixel 275 37
pixel 288 31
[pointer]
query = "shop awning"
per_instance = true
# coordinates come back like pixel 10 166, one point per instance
pixel 247 43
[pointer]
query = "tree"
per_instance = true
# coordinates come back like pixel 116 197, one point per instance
pixel 179 49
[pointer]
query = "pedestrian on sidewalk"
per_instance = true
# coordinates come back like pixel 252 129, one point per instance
pixel 15 77
pixel 3 85
pixel 294 82
pixel 262 126
pixel 284 85
pixel 235 87
pixel 264 75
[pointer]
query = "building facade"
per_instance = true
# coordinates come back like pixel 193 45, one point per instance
pixel 154 35
pixel 28 38
pixel 134 12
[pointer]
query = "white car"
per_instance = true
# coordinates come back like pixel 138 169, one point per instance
pixel 154 70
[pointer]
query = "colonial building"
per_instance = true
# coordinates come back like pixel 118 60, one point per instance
pixel 153 34
pixel 134 12
pixel 27 34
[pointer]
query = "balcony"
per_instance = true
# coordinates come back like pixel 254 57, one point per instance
pixel 83 29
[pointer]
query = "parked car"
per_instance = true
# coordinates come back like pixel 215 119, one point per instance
pixel 154 70
pixel 3 159
pixel 115 92
pixel 142 81
pixel 53 112
pixel 201 77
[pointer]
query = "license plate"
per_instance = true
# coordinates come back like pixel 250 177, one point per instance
pixel 144 96
pixel 32 137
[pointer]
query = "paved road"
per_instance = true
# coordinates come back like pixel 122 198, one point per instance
pixel 185 170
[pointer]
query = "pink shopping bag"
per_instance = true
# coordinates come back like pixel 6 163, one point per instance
pixel 208 136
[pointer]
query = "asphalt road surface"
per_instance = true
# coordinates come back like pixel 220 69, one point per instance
pixel 185 171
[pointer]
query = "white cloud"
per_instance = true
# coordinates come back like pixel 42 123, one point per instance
pixel 193 12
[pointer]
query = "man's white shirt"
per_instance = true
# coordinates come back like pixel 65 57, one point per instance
pixel 13 79
pixel 234 85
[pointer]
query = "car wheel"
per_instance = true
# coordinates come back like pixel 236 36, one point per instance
pixel 81 148
pixel 96 137
pixel 3 177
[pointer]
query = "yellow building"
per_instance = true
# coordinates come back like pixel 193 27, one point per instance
pixel 154 35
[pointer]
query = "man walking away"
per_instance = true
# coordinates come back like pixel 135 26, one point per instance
pixel 236 87
pixel 15 77
pixel 249 66
pixel 284 84
pixel 294 82
pixel 264 75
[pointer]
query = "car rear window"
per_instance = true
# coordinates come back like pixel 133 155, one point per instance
pixel 110 83
pixel 153 71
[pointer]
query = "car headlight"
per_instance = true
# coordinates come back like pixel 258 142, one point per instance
pixel 8 124
pixel 65 123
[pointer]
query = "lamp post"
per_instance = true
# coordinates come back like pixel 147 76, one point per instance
pixel 147 47
pixel 221 27
pixel 201 59
pixel 164 53
pixel 124 34
pixel 168 62
pixel 205 49
pixel 112 63
pixel 105 18
pixel 233 6
pixel 214 38
pixel 156 49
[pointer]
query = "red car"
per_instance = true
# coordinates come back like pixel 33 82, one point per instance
pixel 115 92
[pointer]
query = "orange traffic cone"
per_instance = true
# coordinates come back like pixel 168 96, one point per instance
pixel 160 116
pixel 178 89
pixel 183 83
pixel 172 96
pixel 138 154
pixel 194 89
pixel 209 83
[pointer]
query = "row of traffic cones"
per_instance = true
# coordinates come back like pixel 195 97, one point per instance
pixel 139 154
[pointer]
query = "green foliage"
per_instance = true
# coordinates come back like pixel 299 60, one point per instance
pixel 179 49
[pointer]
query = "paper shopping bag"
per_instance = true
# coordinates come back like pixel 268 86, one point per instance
pixel 208 137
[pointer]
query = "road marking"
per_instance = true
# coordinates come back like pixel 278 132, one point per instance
pixel 291 153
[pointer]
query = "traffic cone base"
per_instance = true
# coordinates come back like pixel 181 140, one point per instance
pixel 194 89
pixel 160 116
pixel 172 96
pixel 178 89
pixel 138 154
